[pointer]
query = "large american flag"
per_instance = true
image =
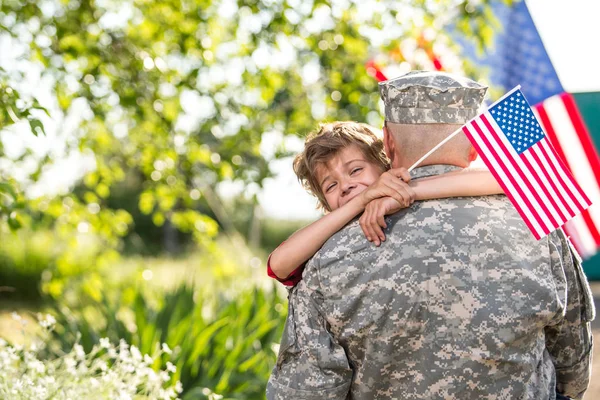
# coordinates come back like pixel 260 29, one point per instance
pixel 511 142
pixel 518 56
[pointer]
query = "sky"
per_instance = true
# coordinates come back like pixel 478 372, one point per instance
pixel 570 31
pixel 567 29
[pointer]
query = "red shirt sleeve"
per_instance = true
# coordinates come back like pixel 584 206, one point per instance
pixel 294 277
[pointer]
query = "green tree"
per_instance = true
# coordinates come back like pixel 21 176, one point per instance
pixel 180 92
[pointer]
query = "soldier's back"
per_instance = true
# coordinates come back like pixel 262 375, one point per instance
pixel 452 305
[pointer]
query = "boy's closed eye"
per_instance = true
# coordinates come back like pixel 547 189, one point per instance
pixel 330 187
pixel 355 170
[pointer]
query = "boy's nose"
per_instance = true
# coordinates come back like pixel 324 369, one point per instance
pixel 347 187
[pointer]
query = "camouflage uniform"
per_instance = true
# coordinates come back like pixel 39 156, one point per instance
pixel 459 302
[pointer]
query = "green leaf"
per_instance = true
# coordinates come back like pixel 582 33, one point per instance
pixel 36 126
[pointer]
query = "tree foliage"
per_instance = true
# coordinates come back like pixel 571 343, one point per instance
pixel 182 92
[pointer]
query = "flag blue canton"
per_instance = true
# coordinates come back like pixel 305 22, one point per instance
pixel 518 55
pixel 514 116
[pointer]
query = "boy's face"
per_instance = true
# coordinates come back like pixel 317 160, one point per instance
pixel 346 175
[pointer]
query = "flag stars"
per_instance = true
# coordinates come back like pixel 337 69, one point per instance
pixel 515 118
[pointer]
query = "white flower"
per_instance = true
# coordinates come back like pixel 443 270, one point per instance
pixel 152 377
pixel 78 375
pixel 15 316
pixel 79 353
pixel 164 376
pixel 178 387
pixel 104 343
pixel 171 367
pixel 123 346
pixel 148 360
pixel 70 363
pixel 135 353
pixel 166 349
pixel 37 366
pixel 47 321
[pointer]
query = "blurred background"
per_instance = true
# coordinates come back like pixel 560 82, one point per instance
pixel 145 152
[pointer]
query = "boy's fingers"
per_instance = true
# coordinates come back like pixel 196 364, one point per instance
pixel 381 219
pixel 371 227
pixel 361 221
pixel 378 231
pixel 401 173
pixel 364 224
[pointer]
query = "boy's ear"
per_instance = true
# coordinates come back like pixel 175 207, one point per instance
pixel 388 144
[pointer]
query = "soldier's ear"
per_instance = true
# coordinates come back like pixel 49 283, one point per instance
pixel 473 154
pixel 388 144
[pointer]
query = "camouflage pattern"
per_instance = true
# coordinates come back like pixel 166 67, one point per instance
pixel 460 302
pixel 426 97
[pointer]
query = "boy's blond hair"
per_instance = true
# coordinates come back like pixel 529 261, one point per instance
pixel 322 145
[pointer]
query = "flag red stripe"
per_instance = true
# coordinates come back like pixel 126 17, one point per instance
pixel 492 149
pixel 559 194
pixel 543 186
pixel 558 149
pixel 500 180
pixel 500 144
pixel 584 135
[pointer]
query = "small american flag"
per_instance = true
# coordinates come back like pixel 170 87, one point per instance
pixel 511 142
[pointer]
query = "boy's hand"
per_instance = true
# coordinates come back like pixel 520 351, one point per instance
pixel 372 221
pixel 394 184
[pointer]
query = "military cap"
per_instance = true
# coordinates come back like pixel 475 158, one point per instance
pixel 427 97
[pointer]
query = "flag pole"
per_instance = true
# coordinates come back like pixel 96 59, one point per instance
pixel 458 131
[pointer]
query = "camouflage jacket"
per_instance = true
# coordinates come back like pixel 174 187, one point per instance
pixel 460 302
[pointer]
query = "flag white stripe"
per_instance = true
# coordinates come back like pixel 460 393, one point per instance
pixel 500 171
pixel 572 148
pixel 527 175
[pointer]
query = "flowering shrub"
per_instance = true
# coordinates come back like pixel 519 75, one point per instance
pixel 224 345
pixel 108 371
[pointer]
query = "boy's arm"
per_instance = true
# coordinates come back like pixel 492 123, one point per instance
pixel 303 244
pixel 466 182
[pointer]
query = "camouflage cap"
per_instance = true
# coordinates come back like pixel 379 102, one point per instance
pixel 426 97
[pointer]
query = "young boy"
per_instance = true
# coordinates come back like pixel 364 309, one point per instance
pixel 344 165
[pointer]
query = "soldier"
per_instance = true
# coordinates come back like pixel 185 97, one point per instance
pixel 460 301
